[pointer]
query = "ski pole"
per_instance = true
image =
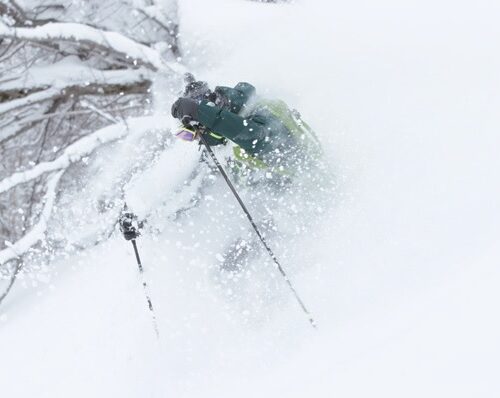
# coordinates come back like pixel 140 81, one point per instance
pixel 145 286
pixel 256 229
pixel 130 232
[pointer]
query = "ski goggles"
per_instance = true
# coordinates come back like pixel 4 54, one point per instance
pixel 186 134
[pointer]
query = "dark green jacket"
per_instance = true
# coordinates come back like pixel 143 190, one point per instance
pixel 252 127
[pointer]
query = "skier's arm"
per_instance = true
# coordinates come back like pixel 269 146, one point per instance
pixel 248 133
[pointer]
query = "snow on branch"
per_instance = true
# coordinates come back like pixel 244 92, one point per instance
pixel 31 99
pixel 73 153
pixel 67 77
pixel 37 233
pixel 165 18
pixel 130 50
pixel 12 11
pixel 62 80
pixel 81 148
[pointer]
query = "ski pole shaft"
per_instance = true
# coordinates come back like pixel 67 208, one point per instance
pixel 256 229
pixel 145 286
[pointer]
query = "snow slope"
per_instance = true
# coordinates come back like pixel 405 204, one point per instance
pixel 402 273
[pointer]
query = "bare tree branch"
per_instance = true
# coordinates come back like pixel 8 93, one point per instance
pixel 78 150
pixel 167 22
pixel 30 99
pixel 15 272
pixel 36 233
pixel 11 10
pixel 66 80
pixel 123 48
pixel 61 82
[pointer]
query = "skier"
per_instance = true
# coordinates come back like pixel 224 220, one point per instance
pixel 271 145
pixel 273 152
pixel 266 134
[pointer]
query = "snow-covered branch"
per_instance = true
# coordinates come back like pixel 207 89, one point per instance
pixel 63 81
pixel 166 19
pixel 73 153
pixel 79 149
pixel 66 72
pixel 30 99
pixel 43 83
pixel 26 98
pixel 37 233
pixel 128 50
pixel 13 12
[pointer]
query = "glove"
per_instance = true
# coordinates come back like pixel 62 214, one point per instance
pixel 185 107
pixel 129 226
pixel 130 234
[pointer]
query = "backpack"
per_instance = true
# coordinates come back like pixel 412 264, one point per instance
pixel 304 136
